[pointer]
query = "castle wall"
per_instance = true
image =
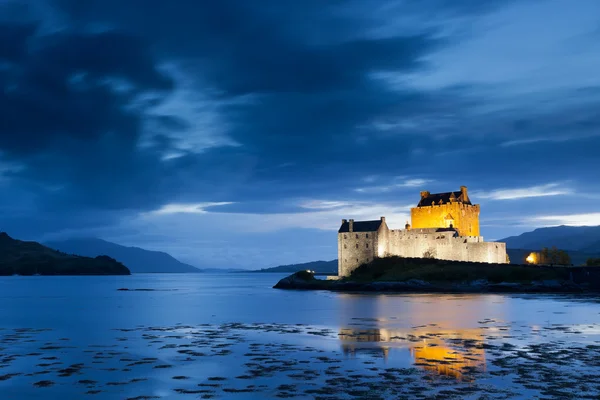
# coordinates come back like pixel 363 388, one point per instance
pixel 443 246
pixel 355 249
pixel 406 243
pixel 466 217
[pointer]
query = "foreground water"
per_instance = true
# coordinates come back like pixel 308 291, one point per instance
pixel 187 336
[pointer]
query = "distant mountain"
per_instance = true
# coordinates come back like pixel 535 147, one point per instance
pixel 317 266
pixel 580 238
pixel 18 257
pixel 136 259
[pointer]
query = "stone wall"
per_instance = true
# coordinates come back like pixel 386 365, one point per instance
pixel 465 217
pixel 355 249
pixel 443 246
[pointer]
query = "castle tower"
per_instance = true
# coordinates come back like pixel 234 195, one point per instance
pixel 447 210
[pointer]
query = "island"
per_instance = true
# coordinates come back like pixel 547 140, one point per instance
pixel 428 275
pixel 19 257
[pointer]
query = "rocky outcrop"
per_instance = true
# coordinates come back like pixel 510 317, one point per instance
pixel 31 258
pixel 306 281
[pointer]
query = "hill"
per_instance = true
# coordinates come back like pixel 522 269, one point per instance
pixel 138 260
pixel 31 258
pixel 317 266
pixel 585 239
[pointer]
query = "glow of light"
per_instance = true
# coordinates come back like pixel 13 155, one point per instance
pixel 530 259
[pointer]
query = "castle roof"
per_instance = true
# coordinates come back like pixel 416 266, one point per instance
pixel 443 197
pixel 361 226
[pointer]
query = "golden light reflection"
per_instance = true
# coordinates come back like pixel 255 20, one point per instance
pixel 532 258
pixel 448 353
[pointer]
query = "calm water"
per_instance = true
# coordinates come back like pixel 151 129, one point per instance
pixel 232 336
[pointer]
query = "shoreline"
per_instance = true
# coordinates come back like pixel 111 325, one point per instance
pixel 302 282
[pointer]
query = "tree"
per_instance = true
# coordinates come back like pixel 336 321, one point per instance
pixel 430 253
pixel 593 262
pixel 554 256
pixel 544 256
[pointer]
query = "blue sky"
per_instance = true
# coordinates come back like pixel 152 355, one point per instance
pixel 239 133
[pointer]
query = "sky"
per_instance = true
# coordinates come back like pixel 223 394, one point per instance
pixel 239 133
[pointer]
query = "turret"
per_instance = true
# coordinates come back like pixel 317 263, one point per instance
pixel 351 225
pixel 424 194
pixel 465 196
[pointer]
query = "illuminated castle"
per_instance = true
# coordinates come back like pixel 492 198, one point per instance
pixel 444 226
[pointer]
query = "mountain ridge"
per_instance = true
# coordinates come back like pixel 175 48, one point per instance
pixel 138 260
pixel 574 238
pixel 18 257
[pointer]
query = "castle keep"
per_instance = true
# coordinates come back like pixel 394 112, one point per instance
pixel 443 226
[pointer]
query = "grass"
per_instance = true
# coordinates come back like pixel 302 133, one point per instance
pixel 398 269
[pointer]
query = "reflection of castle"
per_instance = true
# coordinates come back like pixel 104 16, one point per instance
pixel 429 349
pixel 444 226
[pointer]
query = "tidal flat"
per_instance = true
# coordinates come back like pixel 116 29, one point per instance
pixel 244 340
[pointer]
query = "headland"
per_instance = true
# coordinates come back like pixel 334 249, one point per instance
pixel 422 275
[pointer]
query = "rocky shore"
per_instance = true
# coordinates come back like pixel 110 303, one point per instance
pixel 306 281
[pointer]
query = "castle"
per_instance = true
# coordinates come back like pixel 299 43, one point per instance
pixel 444 226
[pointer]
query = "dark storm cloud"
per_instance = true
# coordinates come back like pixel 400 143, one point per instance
pixel 71 114
pixel 310 92
pixel 306 70
pixel 62 89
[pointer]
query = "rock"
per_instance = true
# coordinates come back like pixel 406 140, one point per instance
pixel 479 283
pixel 298 280
pixel 553 283
pixel 417 282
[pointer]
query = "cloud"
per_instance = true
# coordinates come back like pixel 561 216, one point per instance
pixel 585 219
pixel 321 214
pixel 198 208
pixel 408 183
pixel 550 189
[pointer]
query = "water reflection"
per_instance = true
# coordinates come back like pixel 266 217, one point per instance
pixel 452 353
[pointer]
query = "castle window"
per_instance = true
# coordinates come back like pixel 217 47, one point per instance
pixel 344 236
pixel 357 260
pixel 357 235
pixel 367 235
pixel 357 245
pixel 345 246
pixel 368 246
